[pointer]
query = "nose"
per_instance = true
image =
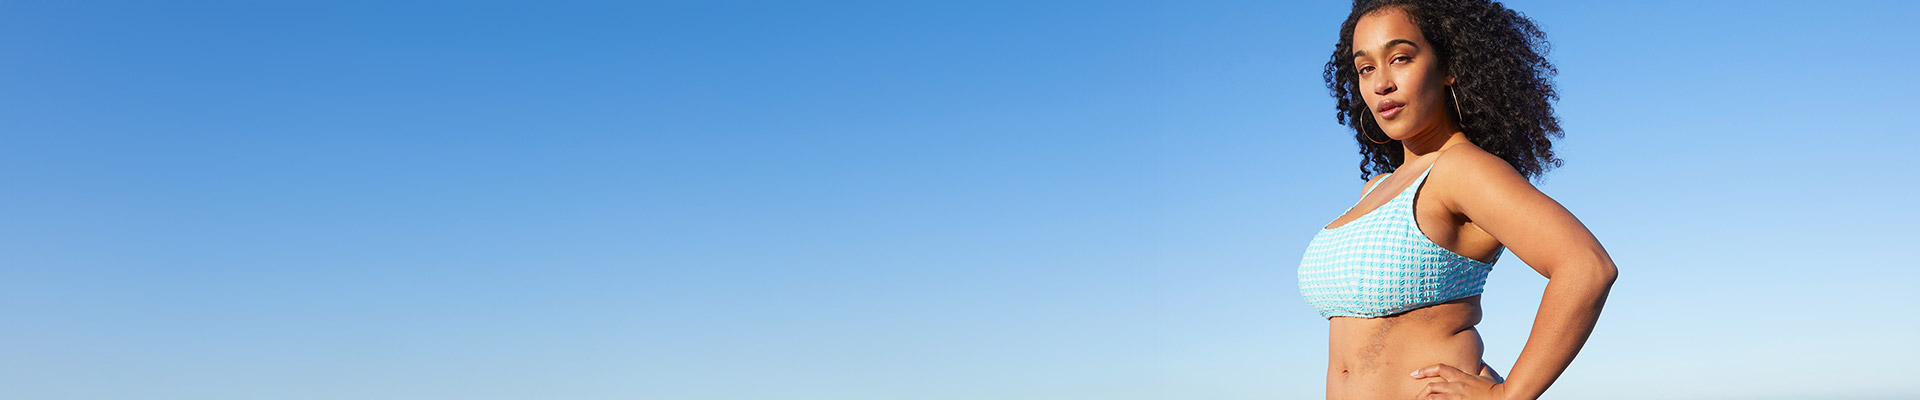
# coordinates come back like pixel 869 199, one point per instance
pixel 1382 86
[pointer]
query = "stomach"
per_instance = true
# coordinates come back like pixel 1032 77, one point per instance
pixel 1370 358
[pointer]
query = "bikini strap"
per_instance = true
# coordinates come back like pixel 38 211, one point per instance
pixel 1436 161
pixel 1423 175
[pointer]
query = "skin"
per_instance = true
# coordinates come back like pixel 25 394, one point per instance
pixel 1473 204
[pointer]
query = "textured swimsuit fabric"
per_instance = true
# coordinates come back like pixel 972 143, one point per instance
pixel 1381 264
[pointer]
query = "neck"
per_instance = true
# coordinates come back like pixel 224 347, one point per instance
pixel 1430 141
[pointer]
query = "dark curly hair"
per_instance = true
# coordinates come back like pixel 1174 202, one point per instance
pixel 1502 79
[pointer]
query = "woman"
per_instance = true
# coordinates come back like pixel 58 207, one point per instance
pixel 1464 82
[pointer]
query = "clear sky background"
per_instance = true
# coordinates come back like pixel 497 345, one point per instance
pixel 891 200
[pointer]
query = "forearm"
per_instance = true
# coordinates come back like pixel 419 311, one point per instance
pixel 1568 311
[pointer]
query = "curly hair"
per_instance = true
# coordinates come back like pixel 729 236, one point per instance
pixel 1502 80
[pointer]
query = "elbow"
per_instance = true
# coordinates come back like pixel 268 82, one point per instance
pixel 1608 274
pixel 1599 271
pixel 1603 283
pixel 1603 271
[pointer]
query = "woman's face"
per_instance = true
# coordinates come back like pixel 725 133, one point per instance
pixel 1400 78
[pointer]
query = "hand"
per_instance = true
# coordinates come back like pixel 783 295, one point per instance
pixel 1459 385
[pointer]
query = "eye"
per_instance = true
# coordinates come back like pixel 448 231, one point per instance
pixel 1402 58
pixel 1366 69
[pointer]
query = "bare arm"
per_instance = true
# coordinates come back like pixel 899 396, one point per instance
pixel 1548 237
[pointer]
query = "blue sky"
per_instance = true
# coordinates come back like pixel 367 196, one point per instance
pixel 886 200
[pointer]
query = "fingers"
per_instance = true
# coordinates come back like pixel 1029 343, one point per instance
pixel 1445 372
pixel 1441 390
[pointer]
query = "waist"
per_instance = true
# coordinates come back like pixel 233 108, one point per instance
pixel 1371 357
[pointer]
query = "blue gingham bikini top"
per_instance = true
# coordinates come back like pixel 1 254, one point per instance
pixel 1381 264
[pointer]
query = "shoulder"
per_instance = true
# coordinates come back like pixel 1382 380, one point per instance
pixel 1375 180
pixel 1480 177
pixel 1477 165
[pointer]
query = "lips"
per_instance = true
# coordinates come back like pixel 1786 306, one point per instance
pixel 1388 108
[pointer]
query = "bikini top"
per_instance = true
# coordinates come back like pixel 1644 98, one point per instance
pixel 1381 264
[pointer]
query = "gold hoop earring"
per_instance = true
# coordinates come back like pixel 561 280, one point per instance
pixel 1363 130
pixel 1456 105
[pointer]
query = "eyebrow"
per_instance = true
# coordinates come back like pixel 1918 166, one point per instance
pixel 1390 43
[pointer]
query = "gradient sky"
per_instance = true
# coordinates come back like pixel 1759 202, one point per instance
pixel 890 200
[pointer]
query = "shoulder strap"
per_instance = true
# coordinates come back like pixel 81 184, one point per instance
pixel 1423 175
pixel 1436 160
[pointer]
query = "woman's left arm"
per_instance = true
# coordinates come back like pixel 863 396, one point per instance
pixel 1547 237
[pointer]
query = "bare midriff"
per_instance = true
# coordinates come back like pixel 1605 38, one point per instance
pixel 1370 358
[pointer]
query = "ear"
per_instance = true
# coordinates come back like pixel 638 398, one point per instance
pixel 1449 80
